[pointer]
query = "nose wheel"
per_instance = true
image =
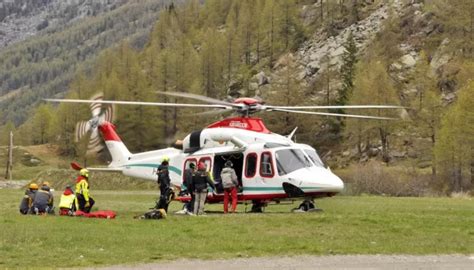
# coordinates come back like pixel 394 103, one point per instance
pixel 307 206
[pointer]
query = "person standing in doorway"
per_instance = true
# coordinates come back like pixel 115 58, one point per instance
pixel 229 183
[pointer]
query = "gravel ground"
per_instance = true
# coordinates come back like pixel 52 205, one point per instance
pixel 318 262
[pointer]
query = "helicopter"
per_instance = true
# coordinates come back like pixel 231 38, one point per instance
pixel 270 167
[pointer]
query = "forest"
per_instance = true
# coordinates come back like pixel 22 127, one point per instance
pixel 422 59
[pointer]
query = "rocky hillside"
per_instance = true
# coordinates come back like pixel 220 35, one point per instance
pixel 21 19
pixel 43 43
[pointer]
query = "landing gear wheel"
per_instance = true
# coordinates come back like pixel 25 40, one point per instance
pixel 257 207
pixel 307 206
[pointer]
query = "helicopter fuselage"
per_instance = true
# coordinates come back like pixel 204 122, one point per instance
pixel 269 166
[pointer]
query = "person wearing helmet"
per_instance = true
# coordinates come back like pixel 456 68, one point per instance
pixel 27 201
pixel 164 183
pixel 84 201
pixel 43 202
pixel 51 203
pixel 199 185
pixel 66 204
pixel 229 183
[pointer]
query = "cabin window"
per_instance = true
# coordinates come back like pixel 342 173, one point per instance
pixel 290 160
pixel 251 165
pixel 187 162
pixel 314 157
pixel 266 165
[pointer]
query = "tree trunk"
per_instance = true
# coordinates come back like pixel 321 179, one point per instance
pixel 8 173
pixel 384 140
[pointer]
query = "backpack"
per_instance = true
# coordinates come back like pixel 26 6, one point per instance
pixel 226 176
pixel 153 214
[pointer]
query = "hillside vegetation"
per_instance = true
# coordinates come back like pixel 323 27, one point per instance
pixel 44 64
pixel 418 54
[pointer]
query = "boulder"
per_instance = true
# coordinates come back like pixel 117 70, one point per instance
pixel 253 86
pixel 373 152
pixel 262 79
pixel 408 61
pixel 312 68
pixel 397 154
pixel 441 57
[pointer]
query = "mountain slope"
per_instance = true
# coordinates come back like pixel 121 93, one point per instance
pixel 44 64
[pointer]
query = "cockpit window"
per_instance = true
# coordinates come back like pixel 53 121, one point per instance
pixel 314 157
pixel 289 160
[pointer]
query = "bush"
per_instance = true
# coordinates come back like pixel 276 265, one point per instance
pixel 378 179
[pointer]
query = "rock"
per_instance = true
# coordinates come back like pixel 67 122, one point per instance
pixel 448 98
pixel 338 52
pixel 373 152
pixel 35 161
pixel 312 68
pixel 262 79
pixel 408 61
pixel 253 86
pixel 395 67
pixel 441 57
pixel 397 154
pixel 346 153
pixel 301 75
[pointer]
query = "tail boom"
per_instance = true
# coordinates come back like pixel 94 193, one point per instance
pixel 118 150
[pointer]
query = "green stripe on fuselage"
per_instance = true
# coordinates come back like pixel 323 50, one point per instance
pixel 273 188
pixel 151 165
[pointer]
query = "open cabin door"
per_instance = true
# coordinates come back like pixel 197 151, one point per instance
pixel 237 160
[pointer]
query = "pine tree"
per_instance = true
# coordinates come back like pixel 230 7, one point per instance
pixel 374 87
pixel 349 61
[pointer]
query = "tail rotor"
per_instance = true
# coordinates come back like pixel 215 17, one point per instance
pixel 100 115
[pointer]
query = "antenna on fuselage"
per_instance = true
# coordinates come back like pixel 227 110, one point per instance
pixel 290 136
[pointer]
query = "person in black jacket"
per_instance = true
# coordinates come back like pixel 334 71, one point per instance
pixel 43 202
pixel 164 182
pixel 199 185
pixel 188 179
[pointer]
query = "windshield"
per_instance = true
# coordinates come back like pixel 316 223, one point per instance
pixel 314 157
pixel 289 160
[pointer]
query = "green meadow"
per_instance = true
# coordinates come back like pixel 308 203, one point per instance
pixel 348 225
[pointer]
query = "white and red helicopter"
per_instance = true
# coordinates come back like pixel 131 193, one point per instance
pixel 270 167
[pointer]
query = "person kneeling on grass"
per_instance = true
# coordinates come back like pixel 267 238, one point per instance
pixel 27 201
pixel 42 204
pixel 66 204
pixel 84 201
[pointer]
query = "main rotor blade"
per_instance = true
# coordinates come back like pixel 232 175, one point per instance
pixel 337 114
pixel 158 104
pixel 213 112
pixel 198 97
pixel 269 107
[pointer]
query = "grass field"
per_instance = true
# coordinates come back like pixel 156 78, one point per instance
pixel 349 225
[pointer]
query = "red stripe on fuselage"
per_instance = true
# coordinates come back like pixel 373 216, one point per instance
pixel 260 197
pixel 108 132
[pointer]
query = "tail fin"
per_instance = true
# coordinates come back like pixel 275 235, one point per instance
pixel 117 148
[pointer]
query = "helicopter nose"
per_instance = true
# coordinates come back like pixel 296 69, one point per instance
pixel 315 179
pixel 337 183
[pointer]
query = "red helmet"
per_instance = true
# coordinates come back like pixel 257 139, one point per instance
pixel 202 166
